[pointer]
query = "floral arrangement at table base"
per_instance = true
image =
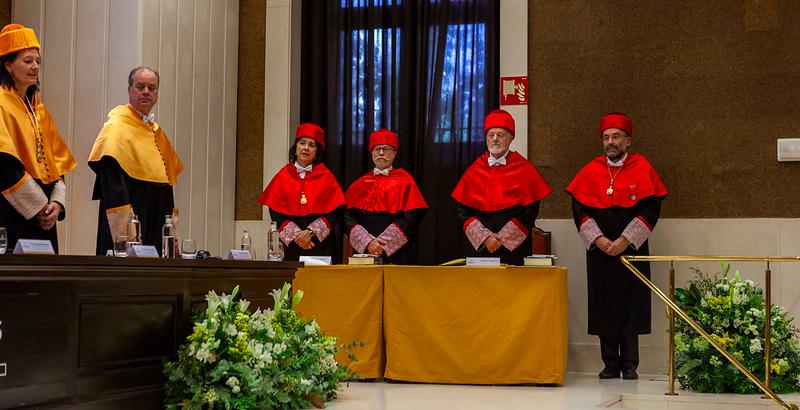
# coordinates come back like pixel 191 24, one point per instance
pixel 731 311
pixel 268 359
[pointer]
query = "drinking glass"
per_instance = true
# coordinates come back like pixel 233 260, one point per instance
pixel 121 246
pixel 3 240
pixel 188 249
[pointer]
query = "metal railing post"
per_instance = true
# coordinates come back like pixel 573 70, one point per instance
pixel 671 317
pixel 767 325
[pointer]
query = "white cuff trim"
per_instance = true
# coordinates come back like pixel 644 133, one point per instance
pixel 26 196
pixel 59 194
pixel 636 233
pixel 589 231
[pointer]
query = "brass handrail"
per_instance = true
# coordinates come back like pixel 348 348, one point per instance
pixel 627 260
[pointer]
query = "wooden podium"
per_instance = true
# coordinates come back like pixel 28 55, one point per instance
pixel 93 332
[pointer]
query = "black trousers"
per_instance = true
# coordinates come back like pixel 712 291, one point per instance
pixel 620 351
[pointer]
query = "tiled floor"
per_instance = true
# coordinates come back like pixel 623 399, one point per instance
pixel 580 391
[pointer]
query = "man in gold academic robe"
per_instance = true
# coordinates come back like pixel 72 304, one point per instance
pixel 136 166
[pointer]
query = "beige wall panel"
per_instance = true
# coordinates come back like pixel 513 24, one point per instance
pixel 229 120
pixel 167 17
pixel 123 49
pixel 184 103
pixel 150 14
pixel 200 116
pixel 214 124
pixel 57 72
pixel 89 110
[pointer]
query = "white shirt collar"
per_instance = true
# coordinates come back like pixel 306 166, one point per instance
pixel 302 170
pixel 618 163
pixel 497 161
pixel 383 172
pixel 148 119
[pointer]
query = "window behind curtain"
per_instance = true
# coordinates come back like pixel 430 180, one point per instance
pixel 426 69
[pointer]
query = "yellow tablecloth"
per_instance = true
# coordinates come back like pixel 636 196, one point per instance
pixel 475 325
pixel 347 302
pixel 469 325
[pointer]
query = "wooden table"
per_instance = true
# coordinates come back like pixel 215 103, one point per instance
pixel 93 332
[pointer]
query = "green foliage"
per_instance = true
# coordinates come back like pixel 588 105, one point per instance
pixel 731 310
pixel 268 359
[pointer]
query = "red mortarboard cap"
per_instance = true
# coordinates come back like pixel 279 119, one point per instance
pixel 499 118
pixel 311 130
pixel 616 120
pixel 383 137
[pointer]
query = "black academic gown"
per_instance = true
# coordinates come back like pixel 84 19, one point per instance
pixel 328 247
pixel 494 221
pixel 11 171
pixel 151 202
pixel 619 303
pixel 376 222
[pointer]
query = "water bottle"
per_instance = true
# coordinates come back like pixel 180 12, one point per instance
pixel 274 245
pixel 169 244
pixel 134 231
pixel 247 244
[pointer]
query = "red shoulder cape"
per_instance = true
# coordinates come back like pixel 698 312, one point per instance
pixel 320 187
pixel 491 189
pixel 636 180
pixel 393 193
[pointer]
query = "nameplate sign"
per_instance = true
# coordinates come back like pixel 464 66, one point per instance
pixel 483 261
pixel 143 251
pixel 239 255
pixel 315 260
pixel 34 247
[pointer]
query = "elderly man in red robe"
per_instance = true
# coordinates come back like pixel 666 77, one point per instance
pixel 498 196
pixel 616 202
pixel 384 206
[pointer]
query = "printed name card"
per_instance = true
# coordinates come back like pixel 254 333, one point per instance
pixel 483 261
pixel 143 251
pixel 34 247
pixel 239 255
pixel 315 260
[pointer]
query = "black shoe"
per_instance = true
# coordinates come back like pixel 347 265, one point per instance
pixel 609 373
pixel 629 374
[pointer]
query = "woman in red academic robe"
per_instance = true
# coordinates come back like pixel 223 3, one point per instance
pixel 305 199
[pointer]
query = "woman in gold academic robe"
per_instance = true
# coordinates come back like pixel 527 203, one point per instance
pixel 33 157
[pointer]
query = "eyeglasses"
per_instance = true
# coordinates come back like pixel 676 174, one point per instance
pixel 383 149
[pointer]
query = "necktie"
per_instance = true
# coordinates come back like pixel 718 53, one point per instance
pixel 384 172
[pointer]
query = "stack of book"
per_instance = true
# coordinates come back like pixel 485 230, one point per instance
pixel 540 260
pixel 364 259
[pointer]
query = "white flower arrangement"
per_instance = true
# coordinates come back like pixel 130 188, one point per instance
pixel 731 310
pixel 267 359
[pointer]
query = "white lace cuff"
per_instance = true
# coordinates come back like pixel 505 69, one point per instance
pixel 360 238
pixel 320 228
pixel 59 194
pixel 395 239
pixel 636 232
pixel 26 196
pixel 477 233
pixel 289 232
pixel 589 231
pixel 511 235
